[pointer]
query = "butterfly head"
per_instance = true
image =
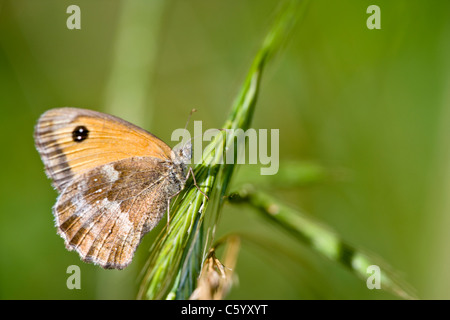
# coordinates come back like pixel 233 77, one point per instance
pixel 183 153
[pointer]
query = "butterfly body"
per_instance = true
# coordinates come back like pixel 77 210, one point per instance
pixel 115 181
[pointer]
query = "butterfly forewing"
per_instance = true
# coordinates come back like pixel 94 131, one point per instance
pixel 108 139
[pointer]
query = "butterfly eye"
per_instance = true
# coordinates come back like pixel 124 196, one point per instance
pixel 80 134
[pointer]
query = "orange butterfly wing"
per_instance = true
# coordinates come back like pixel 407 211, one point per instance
pixel 109 139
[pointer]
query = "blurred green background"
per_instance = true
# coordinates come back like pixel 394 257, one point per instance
pixel 371 105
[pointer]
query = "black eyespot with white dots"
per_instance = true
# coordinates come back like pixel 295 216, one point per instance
pixel 80 133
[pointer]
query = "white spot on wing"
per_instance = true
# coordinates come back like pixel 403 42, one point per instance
pixel 110 173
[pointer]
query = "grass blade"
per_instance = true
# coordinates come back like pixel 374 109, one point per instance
pixel 177 256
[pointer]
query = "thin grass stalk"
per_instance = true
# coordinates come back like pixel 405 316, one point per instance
pixel 129 90
pixel 322 240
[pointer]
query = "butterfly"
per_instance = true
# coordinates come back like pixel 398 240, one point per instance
pixel 114 179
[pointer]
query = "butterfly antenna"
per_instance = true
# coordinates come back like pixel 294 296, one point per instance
pixel 187 122
pixel 189 117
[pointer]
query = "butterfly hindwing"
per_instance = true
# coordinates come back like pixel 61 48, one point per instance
pixel 104 214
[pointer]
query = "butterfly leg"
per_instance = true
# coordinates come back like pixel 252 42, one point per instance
pixel 195 182
pixel 168 213
pixel 168 201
